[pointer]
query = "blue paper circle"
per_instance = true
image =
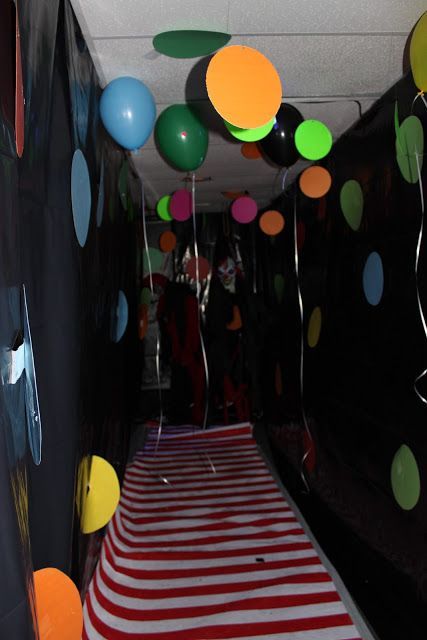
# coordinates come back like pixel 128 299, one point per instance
pixel 32 409
pixel 373 279
pixel 128 112
pixel 81 198
pixel 120 317
pixel 101 197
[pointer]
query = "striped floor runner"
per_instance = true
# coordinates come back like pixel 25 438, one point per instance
pixel 203 546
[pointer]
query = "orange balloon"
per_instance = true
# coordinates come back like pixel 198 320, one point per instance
pixel 272 223
pixel 167 241
pixel 236 322
pixel 315 182
pixel 58 606
pixel 243 86
pixel 250 151
pixel 142 320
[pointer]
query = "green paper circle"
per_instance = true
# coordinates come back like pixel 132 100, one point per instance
pixel 405 478
pixel 163 208
pixel 351 201
pixel 313 139
pixel 156 260
pixel 250 135
pixel 279 286
pixel 145 297
pixel 189 43
pixel 409 142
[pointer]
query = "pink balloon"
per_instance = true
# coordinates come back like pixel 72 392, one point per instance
pixel 204 268
pixel 244 209
pixel 180 205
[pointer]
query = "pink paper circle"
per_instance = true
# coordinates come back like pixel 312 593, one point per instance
pixel 180 205
pixel 244 209
pixel 204 268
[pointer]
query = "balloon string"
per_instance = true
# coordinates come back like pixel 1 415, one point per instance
pixel 417 257
pixel 150 271
pixel 285 175
pixel 421 95
pixel 301 310
pixel 198 290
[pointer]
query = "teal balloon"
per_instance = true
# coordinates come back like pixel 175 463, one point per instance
pixel 181 137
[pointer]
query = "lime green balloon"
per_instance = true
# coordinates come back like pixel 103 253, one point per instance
pixel 181 137
pixel 351 201
pixel 145 297
pixel 162 208
pixel 313 139
pixel 409 144
pixel 156 260
pixel 279 286
pixel 405 478
pixel 189 43
pixel 250 135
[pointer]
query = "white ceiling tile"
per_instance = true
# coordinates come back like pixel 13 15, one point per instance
pixel 149 17
pixel 327 65
pixel 325 16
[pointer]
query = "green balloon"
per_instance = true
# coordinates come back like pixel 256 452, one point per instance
pixel 409 144
pixel 181 137
pixel 162 208
pixel 351 200
pixel 279 286
pixel 250 135
pixel 405 478
pixel 313 139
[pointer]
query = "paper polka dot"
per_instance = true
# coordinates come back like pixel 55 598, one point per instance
pixel 315 182
pixel 204 268
pixel 167 241
pixel 162 208
pixel 373 279
pixel 313 139
pixel 180 205
pixel 244 210
pixel 81 198
pixel 351 201
pixel 314 327
pixel 272 223
pixel 405 478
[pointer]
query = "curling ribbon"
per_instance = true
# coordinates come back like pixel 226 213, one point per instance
pixel 147 252
pixel 198 290
pixel 301 310
pixel 417 257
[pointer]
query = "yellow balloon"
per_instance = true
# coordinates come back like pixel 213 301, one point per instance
pixel 314 327
pixel 98 493
pixel 418 53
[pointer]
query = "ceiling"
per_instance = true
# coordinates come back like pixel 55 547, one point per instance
pixel 329 54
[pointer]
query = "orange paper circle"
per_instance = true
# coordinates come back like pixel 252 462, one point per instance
pixel 142 321
pixel 250 151
pixel 58 605
pixel 243 86
pixel 271 223
pixel 167 241
pixel 315 182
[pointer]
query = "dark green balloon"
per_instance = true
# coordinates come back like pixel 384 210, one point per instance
pixel 181 137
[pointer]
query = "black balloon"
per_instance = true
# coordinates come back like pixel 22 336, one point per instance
pixel 279 145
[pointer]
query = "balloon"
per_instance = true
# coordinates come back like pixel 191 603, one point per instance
pixel 128 112
pixel 279 145
pixel 250 135
pixel 418 53
pixel 182 138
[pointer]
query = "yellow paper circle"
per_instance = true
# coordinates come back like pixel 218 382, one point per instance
pixel 314 327
pixel 98 493
pixel 418 53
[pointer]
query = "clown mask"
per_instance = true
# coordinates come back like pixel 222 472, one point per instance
pixel 227 274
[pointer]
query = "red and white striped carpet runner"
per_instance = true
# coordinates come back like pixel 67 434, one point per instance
pixel 203 546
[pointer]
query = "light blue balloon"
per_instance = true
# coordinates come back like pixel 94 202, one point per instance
pixel 120 317
pixel 128 112
pixel 373 278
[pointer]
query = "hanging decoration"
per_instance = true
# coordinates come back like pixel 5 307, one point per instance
pixel 163 208
pixel 373 279
pixel 59 611
pixel 128 112
pixel 351 201
pixel 119 318
pixel 315 182
pixel 313 139
pixel 189 43
pixel 314 327
pixel 279 145
pixel 250 151
pixel 198 268
pixel 272 223
pixel 98 493
pixel 250 135
pixel 181 137
pixel 405 478
pixel 243 86
pixel 409 147
pixel 180 205
pixel 81 197
pixel 167 241
pixel 418 54
pixel 244 209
